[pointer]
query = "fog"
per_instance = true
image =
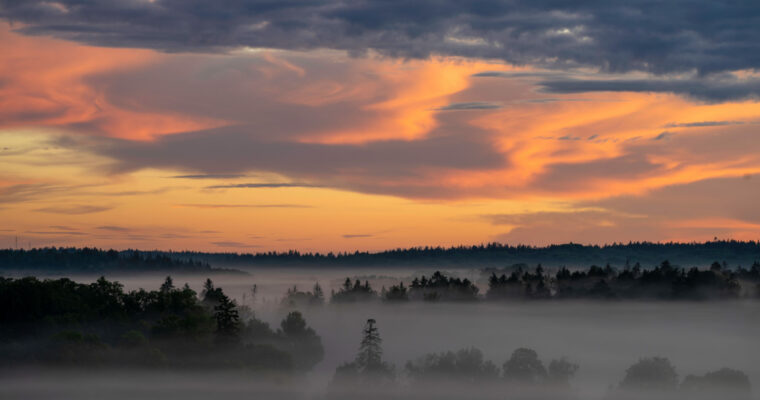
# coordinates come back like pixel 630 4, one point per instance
pixel 603 338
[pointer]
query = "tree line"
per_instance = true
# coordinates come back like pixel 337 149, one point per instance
pixel 518 282
pixel 497 254
pixel 93 260
pixel 476 256
pixel 62 322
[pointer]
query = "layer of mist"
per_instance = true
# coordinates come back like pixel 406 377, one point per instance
pixel 603 338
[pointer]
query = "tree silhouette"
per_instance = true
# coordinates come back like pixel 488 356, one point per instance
pixel 168 285
pixel 227 320
pixel 654 374
pixel 524 367
pixel 318 293
pixel 561 371
pixel 370 357
pixel 464 366
pixel 298 339
pixel 368 368
pixel 716 384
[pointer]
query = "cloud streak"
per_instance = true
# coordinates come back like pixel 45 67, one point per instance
pixel 73 209
pixel 472 105
pixel 262 186
pixel 707 89
pixel 213 206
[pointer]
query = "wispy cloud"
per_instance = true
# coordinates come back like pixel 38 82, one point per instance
pixel 74 209
pixel 212 206
pixel 64 233
pixel 210 176
pixel 263 186
pixel 705 89
pixel 472 105
pixel 357 235
pixel 663 135
pixel 62 227
pixel 113 228
pixel 233 244
pixel 703 124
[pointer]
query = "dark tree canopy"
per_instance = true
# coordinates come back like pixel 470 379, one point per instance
pixel 525 367
pixel 654 374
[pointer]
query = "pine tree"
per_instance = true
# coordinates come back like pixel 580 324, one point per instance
pixel 227 320
pixel 208 286
pixel 368 368
pixel 168 285
pixel 319 294
pixel 370 351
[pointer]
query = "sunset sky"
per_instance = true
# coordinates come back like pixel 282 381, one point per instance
pixel 327 125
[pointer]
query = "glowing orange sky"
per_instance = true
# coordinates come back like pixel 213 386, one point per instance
pixel 372 153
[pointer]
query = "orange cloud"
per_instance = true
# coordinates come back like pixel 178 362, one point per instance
pixel 44 83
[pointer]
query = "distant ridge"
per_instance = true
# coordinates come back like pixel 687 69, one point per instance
pixel 648 254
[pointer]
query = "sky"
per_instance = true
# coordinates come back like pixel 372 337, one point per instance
pixel 324 125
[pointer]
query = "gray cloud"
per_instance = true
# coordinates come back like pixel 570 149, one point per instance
pixel 113 228
pixel 648 35
pixel 62 227
pixel 375 167
pixel 663 135
pixel 357 235
pixel 64 233
pixel 472 105
pixel 73 209
pixel 210 176
pixel 262 186
pixel 233 244
pixel 26 192
pixel 703 124
pixel 708 89
pixel 246 205
pixel 702 209
pixel 730 198
pixel 580 176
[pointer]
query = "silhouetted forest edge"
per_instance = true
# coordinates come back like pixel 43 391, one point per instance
pixel 476 256
pixel 91 260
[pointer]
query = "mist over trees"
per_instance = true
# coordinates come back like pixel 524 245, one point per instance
pixel 64 324
pixel 353 292
pixel 522 375
pixel 467 365
pixel 663 282
pixel 656 378
pixel 295 298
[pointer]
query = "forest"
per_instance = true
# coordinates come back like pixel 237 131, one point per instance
pixel 498 254
pixel 491 255
pixel 61 323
